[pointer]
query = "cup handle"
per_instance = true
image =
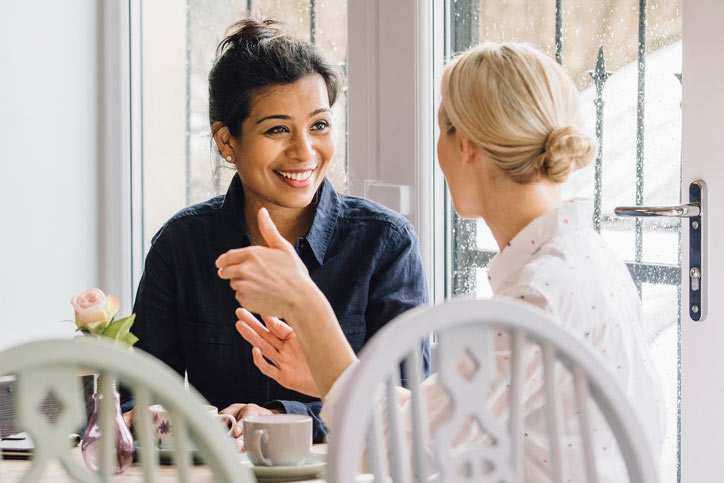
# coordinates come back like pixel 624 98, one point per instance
pixel 231 419
pixel 254 446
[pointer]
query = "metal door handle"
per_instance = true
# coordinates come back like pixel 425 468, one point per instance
pixel 694 211
pixel 688 210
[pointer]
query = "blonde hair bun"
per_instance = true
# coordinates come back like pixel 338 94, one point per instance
pixel 566 150
pixel 520 107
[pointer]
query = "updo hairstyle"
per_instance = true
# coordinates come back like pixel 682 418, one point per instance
pixel 254 56
pixel 520 107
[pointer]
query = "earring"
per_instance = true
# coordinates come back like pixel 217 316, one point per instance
pixel 229 158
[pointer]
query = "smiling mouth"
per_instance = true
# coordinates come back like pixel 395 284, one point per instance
pixel 295 175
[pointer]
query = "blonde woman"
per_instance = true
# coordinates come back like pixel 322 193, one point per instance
pixel 509 135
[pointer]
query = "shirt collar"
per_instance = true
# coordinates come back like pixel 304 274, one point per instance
pixel 234 206
pixel 325 220
pixel 325 216
pixel 574 215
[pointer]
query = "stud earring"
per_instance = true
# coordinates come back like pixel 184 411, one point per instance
pixel 229 158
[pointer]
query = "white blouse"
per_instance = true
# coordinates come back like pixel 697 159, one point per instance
pixel 560 264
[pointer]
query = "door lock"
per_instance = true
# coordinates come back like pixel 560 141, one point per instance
pixel 694 211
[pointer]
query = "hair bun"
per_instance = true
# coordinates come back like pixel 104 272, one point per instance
pixel 246 33
pixel 566 149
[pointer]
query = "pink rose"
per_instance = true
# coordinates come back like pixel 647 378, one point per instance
pixel 94 310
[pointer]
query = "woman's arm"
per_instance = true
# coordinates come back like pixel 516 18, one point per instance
pixel 273 281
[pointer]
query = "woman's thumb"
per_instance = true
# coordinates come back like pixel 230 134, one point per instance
pixel 269 231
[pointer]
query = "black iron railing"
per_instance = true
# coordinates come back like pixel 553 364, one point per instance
pixel 466 258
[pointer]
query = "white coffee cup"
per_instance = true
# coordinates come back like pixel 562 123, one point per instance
pixel 278 439
pixel 162 422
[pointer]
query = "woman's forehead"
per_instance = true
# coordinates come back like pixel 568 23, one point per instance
pixel 300 98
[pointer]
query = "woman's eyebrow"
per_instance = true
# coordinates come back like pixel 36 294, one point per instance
pixel 320 110
pixel 288 118
pixel 274 116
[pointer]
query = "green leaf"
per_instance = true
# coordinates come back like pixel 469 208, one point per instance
pixel 118 330
pixel 129 339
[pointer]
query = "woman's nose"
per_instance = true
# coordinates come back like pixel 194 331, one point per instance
pixel 301 147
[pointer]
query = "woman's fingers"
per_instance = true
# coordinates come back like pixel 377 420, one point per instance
pixel 277 327
pixel 270 352
pixel 265 368
pixel 236 257
pixel 231 257
pixel 261 331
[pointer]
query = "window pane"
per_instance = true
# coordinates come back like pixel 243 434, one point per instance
pixel 635 168
pixel 181 163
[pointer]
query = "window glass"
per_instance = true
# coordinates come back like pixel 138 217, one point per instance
pixel 181 164
pixel 640 133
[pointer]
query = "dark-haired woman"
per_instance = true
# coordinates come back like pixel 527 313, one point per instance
pixel 270 99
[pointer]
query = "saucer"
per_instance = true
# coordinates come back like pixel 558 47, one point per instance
pixel 314 465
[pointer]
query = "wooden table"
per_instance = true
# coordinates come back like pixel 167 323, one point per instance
pixel 11 471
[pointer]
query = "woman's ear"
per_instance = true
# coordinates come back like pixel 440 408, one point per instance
pixel 224 141
pixel 468 149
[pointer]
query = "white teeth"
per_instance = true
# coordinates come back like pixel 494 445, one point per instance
pixel 297 176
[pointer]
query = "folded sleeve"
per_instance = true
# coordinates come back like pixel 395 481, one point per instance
pixel 312 409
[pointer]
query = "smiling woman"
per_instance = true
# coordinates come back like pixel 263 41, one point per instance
pixel 286 147
pixel 270 101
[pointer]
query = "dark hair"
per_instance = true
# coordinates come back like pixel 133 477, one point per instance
pixel 255 55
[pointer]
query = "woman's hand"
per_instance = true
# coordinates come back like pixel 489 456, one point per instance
pixel 241 411
pixel 278 343
pixel 267 280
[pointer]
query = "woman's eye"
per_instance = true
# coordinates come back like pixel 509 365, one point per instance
pixel 320 125
pixel 277 130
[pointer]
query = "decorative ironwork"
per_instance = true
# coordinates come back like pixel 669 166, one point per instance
pixel 640 129
pixel 559 31
pixel 312 21
pixel 465 33
pixel 600 75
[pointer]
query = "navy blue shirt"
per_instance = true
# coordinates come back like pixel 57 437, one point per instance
pixel 363 256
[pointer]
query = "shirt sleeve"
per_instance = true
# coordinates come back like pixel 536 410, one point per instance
pixel 312 408
pixel 398 285
pixel 155 308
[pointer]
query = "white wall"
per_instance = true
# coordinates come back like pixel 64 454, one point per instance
pixel 48 169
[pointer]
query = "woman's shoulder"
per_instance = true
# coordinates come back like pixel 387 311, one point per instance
pixel 190 217
pixel 584 275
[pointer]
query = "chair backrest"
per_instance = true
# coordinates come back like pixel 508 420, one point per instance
pixel 52 367
pixel 370 430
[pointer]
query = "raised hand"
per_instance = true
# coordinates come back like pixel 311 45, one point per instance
pixel 278 343
pixel 269 280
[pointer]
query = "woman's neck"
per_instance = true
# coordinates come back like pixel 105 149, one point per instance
pixel 292 223
pixel 514 206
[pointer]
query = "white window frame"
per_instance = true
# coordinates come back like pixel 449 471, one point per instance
pixel 391 111
pixel 120 164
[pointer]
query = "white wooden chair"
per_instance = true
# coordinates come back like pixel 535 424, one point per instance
pixel 471 328
pixel 52 366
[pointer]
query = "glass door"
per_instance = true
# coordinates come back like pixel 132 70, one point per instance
pixel 702 391
pixel 626 59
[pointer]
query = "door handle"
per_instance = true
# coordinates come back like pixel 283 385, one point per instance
pixel 688 210
pixel 694 211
